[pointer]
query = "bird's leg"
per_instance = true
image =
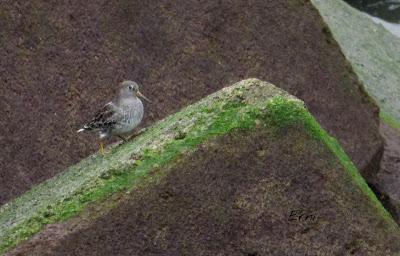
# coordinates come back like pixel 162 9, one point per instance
pixel 137 133
pixel 102 148
pixel 122 138
pixel 141 131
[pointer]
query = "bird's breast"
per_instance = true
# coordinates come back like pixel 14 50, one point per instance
pixel 131 116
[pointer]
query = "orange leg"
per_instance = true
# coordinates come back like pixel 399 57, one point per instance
pixel 102 148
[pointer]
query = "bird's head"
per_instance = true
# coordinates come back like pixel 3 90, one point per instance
pixel 129 88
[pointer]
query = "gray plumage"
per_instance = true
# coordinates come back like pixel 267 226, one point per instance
pixel 119 116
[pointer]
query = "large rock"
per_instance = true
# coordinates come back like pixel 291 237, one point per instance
pixel 374 53
pixel 246 171
pixel 387 183
pixel 372 50
pixel 60 61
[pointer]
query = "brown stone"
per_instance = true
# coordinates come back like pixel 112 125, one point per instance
pixel 225 199
pixel 60 61
pixel 387 182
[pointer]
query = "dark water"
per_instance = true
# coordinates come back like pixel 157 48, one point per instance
pixel 388 10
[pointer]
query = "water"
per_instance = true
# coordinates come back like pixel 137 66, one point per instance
pixel 394 28
pixel 388 10
pixel 385 12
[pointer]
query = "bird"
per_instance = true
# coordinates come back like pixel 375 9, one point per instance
pixel 119 116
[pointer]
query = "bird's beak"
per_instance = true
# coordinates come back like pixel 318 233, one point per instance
pixel 142 96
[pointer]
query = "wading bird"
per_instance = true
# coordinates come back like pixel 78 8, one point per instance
pixel 120 116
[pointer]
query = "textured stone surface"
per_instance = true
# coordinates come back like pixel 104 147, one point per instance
pixel 239 107
pixel 374 54
pixel 275 185
pixel 372 50
pixel 388 178
pixel 60 61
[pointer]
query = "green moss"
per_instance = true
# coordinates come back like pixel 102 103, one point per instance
pixel 209 118
pixel 244 106
pixel 389 120
pixel 284 113
pixel 334 146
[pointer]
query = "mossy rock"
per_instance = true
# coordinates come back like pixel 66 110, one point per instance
pixel 64 62
pixel 245 171
pixel 375 57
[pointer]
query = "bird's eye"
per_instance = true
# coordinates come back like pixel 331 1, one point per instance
pixel 130 87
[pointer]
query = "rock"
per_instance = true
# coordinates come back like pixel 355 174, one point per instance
pixel 375 56
pixel 388 178
pixel 254 174
pixel 372 50
pixel 61 62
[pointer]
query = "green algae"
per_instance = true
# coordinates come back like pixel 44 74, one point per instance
pixel 286 113
pixel 96 178
pixel 243 106
pixel 283 113
pixel 334 146
pixel 387 119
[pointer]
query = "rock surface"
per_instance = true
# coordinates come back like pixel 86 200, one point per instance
pixel 372 50
pixel 388 179
pixel 374 54
pixel 246 171
pixel 62 60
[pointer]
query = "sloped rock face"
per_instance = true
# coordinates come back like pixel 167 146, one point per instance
pixel 372 50
pixel 61 61
pixel 246 171
pixel 242 194
pixel 374 53
pixel 388 178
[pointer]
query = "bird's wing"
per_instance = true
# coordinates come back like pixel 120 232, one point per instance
pixel 105 118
